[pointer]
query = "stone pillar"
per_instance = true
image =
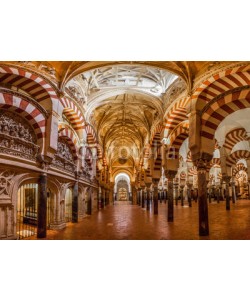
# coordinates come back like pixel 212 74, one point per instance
pixel 134 198
pixel 148 197
pixel 90 202
pixel 130 197
pixel 218 194
pixel 160 196
pixel 165 196
pixel 175 192
pixel 227 180
pixel 143 198
pixel 75 203
pixel 181 194
pixel 233 191
pixel 155 195
pixel 189 187
pixel 42 207
pixel 209 193
pixel 102 197
pixel 139 197
pixel 170 175
pixel 195 195
pixel 202 197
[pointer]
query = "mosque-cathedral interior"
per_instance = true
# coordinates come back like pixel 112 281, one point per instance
pixel 160 147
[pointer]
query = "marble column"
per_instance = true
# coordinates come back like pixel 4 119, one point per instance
pixel 189 187
pixel 233 191
pixel 143 198
pixel 227 180
pixel 90 202
pixel 175 192
pixel 134 198
pixel 170 175
pixel 102 197
pixel 202 197
pixel 209 194
pixel 148 198
pixel 139 197
pixel 42 207
pixel 155 195
pixel 218 194
pixel 181 194
pixel 98 200
pixel 165 196
pixel 75 203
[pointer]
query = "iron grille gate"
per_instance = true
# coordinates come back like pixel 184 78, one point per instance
pixel 68 205
pixel 27 210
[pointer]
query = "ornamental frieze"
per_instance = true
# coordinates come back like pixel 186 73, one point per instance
pixel 17 137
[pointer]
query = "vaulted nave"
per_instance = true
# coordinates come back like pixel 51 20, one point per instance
pixel 84 145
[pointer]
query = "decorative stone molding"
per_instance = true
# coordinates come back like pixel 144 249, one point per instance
pixel 17 137
pixel 64 158
pixel 5 184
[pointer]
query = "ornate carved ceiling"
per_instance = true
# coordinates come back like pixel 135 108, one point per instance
pixel 123 102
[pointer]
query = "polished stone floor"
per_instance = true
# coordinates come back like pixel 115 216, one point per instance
pixel 124 221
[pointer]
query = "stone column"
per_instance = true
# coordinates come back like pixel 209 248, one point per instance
pixel 139 197
pixel 202 197
pixel 155 195
pixel 170 175
pixel 189 187
pixel 99 197
pixel 42 207
pixel 143 198
pixel 134 195
pixel 233 191
pixel 148 197
pixel 165 196
pixel 160 196
pixel 90 202
pixel 209 193
pixel 75 203
pixel 181 194
pixel 218 194
pixel 175 192
pixel 102 197
pixel 227 180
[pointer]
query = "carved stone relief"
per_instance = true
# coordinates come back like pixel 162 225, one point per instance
pixel 17 137
pixel 5 184
pixel 64 158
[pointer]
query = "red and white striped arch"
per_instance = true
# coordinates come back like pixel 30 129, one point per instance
pixel 192 171
pixel 239 167
pixel 90 135
pixel 215 161
pixel 156 134
pixel 72 140
pixel 235 136
pixel 237 155
pixel 27 111
pixel 37 87
pixel 220 83
pixel 176 115
pixel 67 132
pixel 241 175
pixel 176 138
pixel 73 114
pixel 220 109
